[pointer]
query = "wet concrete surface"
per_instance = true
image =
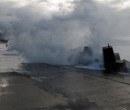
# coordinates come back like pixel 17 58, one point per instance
pixel 80 90
pixel 106 92
pixel 18 92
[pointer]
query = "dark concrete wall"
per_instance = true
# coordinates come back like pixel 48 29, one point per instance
pixel 109 58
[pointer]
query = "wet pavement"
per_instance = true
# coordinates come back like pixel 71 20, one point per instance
pixel 74 92
pixel 18 92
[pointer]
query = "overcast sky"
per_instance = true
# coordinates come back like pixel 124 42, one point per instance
pixel 54 4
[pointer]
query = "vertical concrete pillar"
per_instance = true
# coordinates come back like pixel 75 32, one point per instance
pixel 109 58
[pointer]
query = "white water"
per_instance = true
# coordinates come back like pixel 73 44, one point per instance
pixel 94 66
pixel 41 35
pixel 9 62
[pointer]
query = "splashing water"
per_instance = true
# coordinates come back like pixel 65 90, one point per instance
pixel 57 35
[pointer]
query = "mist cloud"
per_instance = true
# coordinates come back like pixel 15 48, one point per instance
pixel 56 37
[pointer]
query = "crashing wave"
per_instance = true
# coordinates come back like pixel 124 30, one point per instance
pixel 88 60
